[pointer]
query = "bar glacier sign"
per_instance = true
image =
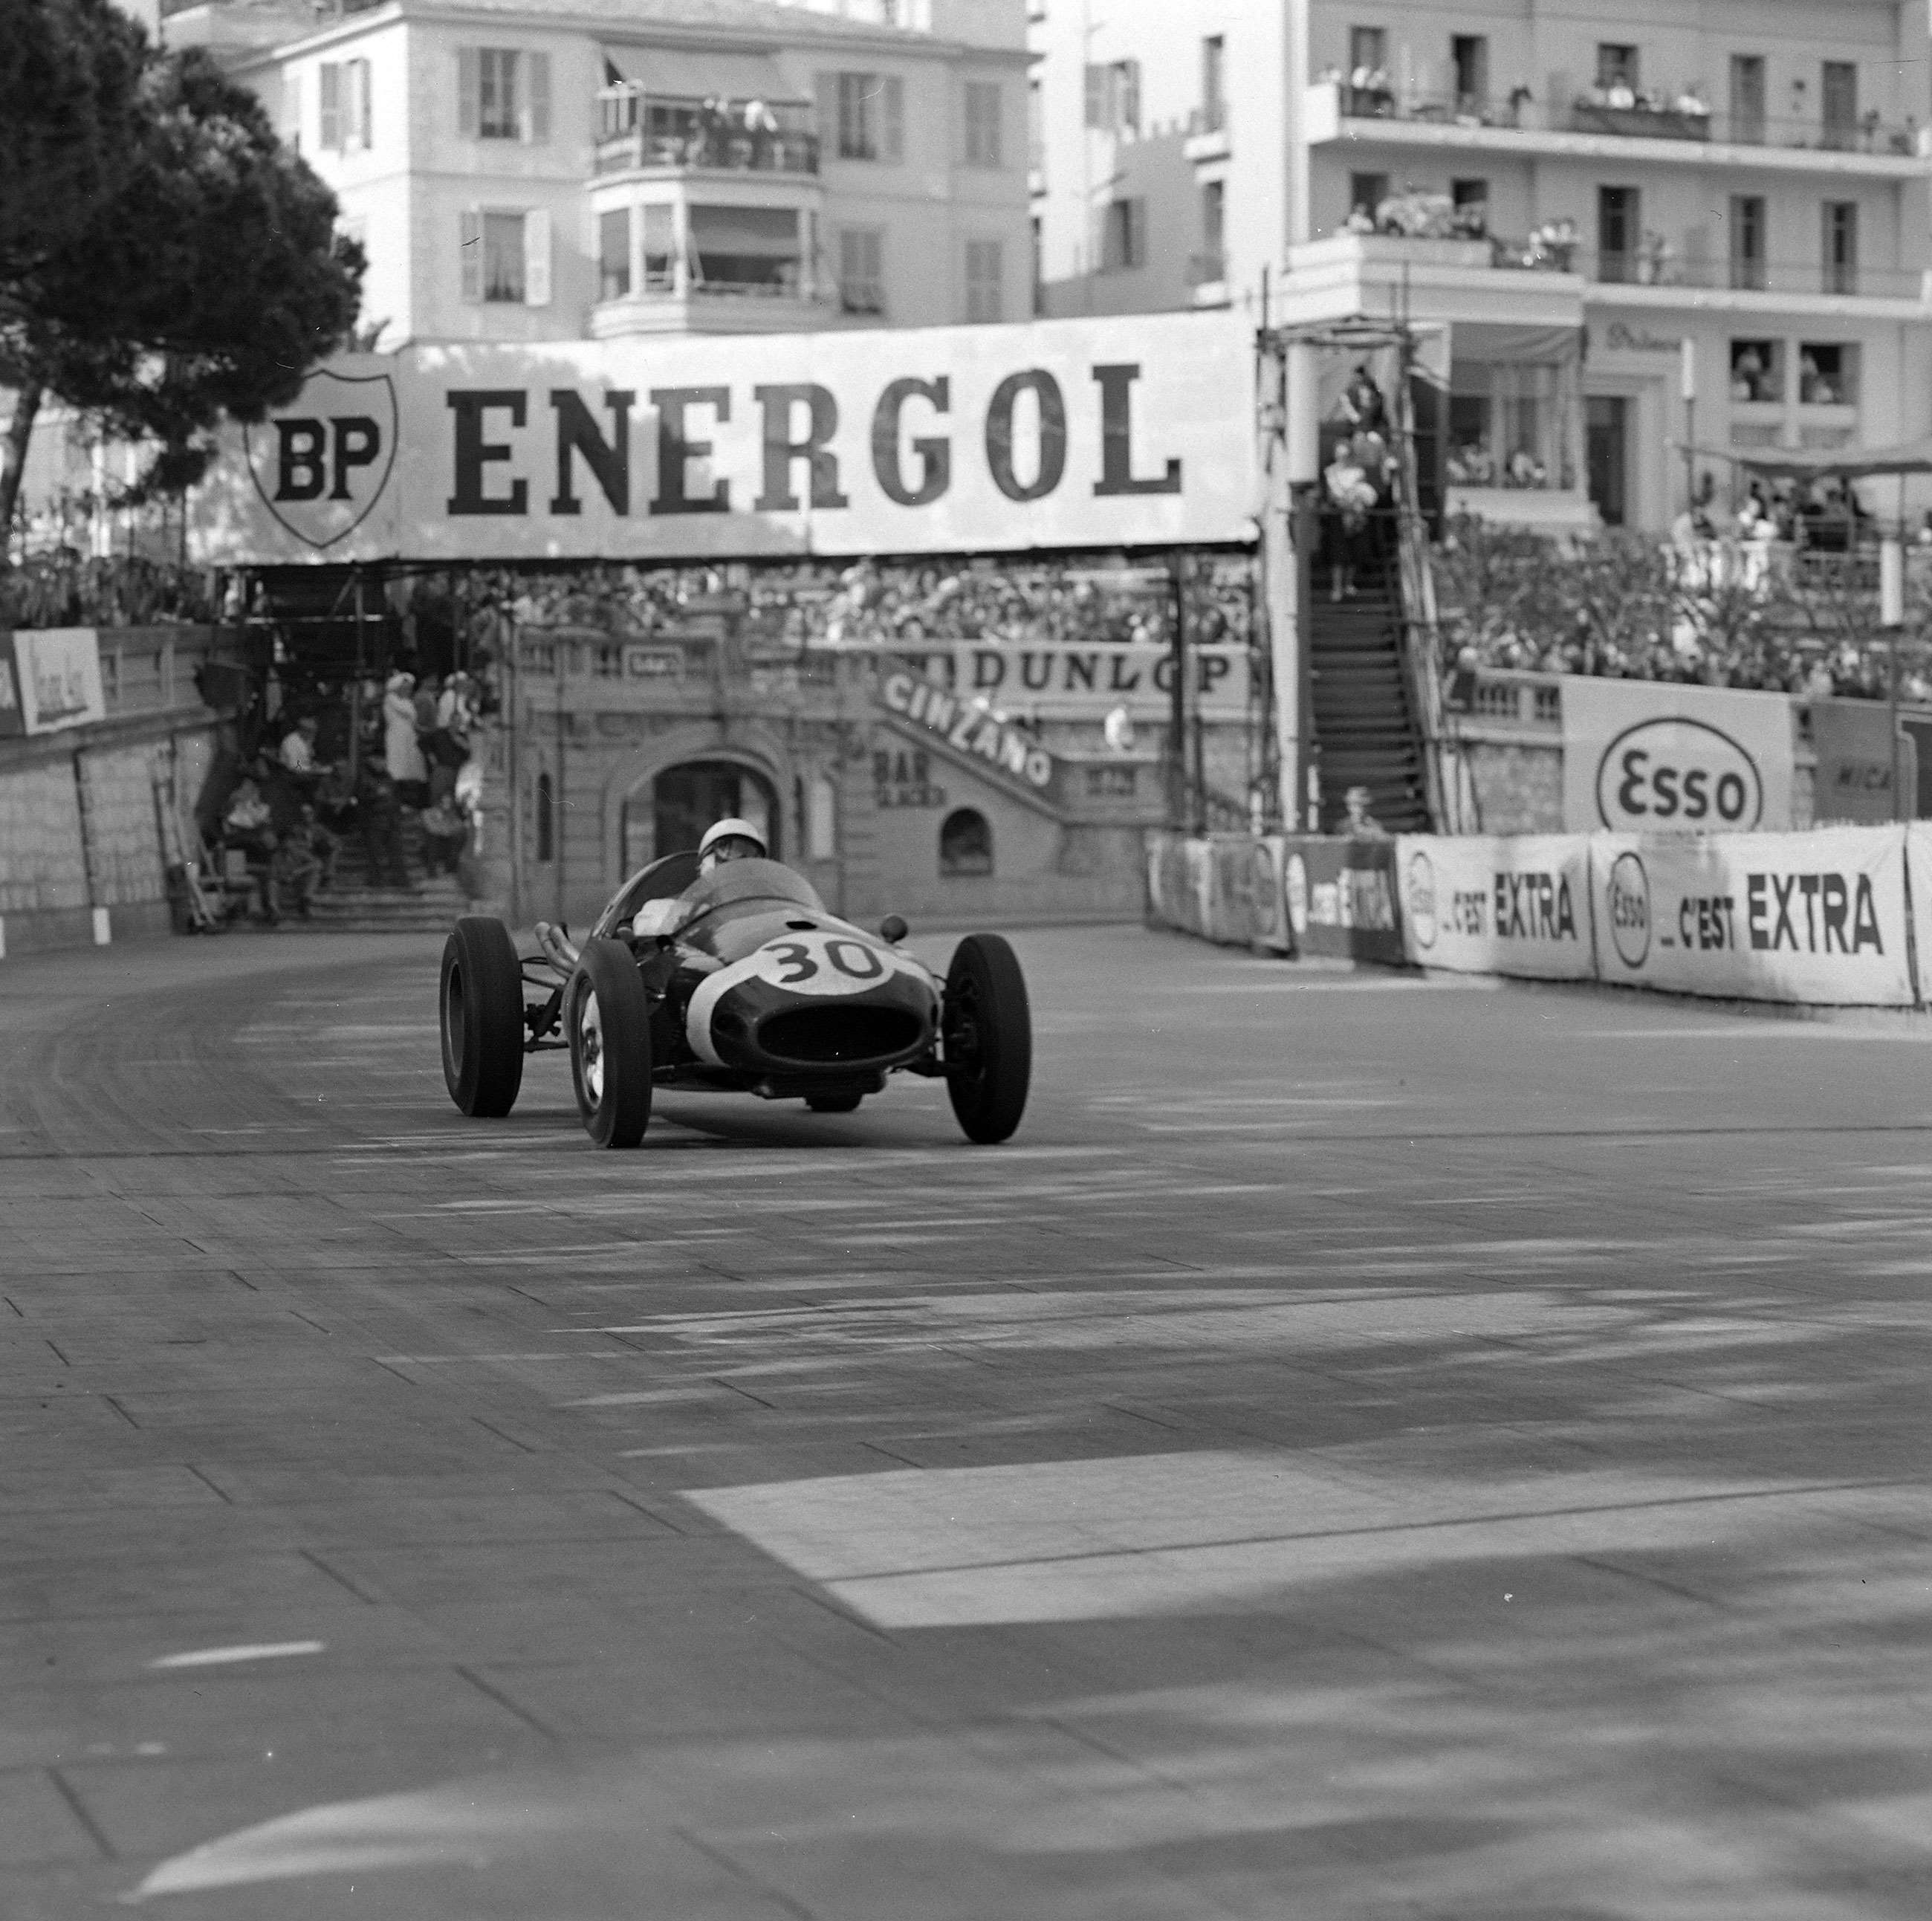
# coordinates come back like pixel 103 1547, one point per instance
pixel 1129 432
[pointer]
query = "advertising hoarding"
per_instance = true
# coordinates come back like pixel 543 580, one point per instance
pixel 1653 756
pixel 1129 431
pixel 1512 904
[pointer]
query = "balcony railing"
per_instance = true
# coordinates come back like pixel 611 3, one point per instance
pixel 1662 263
pixel 1651 117
pixel 636 132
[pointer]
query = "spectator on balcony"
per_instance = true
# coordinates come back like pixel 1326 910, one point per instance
pixel 1362 400
pixel 1360 219
pixel 297 751
pixel 1348 496
pixel 1358 823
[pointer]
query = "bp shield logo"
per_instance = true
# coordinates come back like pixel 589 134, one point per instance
pixel 1628 899
pixel 320 465
pixel 1420 899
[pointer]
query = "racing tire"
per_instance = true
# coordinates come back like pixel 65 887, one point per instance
pixel 987 1029
pixel 480 1013
pixel 833 1103
pixel 608 1017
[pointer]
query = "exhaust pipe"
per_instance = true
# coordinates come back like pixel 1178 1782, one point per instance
pixel 558 949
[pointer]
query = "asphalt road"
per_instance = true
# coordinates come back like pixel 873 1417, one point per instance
pixel 1368 1449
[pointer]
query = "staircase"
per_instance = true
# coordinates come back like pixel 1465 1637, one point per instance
pixel 349 905
pixel 1366 730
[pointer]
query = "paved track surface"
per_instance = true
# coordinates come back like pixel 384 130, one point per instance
pixel 1368 1449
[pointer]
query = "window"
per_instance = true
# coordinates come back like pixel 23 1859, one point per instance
pixel 1038 264
pixel 861 278
pixel 1368 53
pixel 1036 126
pixel 866 113
pixel 1747 98
pixel 1367 192
pixel 1618 231
pixel 965 845
pixel 1757 371
pixel 1828 373
pixel 1213 223
pixel 506 257
pixel 1470 200
pixel 502 94
pixel 1747 235
pixel 736 248
pixel 1469 52
pixel 1114 97
pixel 1123 235
pixel 660 249
pixel 984 300
pixel 982 124
pixel 613 254
pixel 1213 83
pixel 546 823
pixel 1841 246
pixel 1840 102
pixel 1616 66
pixel 345 114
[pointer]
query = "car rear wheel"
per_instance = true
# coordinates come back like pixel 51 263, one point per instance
pixel 609 1023
pixel 986 1026
pixel 480 1007
pixel 833 1103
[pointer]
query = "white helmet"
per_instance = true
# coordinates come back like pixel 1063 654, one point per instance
pixel 719 832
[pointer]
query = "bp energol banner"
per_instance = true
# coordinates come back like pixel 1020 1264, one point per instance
pixel 1512 904
pixel 1133 431
pixel 1654 756
pixel 1818 917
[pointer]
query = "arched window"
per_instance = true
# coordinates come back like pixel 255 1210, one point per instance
pixel 965 845
pixel 546 821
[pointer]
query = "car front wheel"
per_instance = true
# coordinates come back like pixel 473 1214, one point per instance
pixel 986 1030
pixel 480 1009
pixel 608 1020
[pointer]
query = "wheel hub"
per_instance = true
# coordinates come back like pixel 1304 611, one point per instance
pixel 590 1047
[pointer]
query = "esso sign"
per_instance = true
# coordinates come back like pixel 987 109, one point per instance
pixel 1675 773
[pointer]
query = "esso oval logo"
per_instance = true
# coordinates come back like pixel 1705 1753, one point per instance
pixel 1420 899
pixel 1675 773
pixel 1626 897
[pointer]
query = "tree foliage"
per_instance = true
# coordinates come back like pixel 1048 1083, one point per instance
pixel 202 281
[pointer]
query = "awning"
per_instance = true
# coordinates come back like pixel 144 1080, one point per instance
pixel 1850 463
pixel 668 73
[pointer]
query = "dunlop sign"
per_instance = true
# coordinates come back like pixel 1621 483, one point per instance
pixel 1108 432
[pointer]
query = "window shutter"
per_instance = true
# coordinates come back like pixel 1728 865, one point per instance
pixel 365 127
pixel 1096 95
pixel 473 256
pixel 892 138
pixel 536 257
pixel 1130 95
pixel 331 107
pixel 536 120
pixel 825 87
pixel 292 107
pixel 468 94
pixel 993 109
pixel 1137 233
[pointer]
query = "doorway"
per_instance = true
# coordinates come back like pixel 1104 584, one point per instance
pixel 672 814
pixel 1607 437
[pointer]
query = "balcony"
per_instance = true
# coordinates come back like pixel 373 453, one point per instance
pixel 1434 278
pixel 1608 123
pixel 1659 272
pixel 639 134
pixel 1207 134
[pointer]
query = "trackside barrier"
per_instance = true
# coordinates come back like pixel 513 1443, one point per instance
pixel 1832 917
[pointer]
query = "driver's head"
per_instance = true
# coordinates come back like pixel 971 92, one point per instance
pixel 730 840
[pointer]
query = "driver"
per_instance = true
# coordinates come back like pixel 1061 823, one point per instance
pixel 729 840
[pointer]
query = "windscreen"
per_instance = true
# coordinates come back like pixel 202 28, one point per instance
pixel 734 880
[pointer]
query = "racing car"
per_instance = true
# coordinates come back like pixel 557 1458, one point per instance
pixel 735 979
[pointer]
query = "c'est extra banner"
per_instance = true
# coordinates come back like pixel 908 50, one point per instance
pixel 1817 916
pixel 1129 431
pixel 1512 904
pixel 1341 897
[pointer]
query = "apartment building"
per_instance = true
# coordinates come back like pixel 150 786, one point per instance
pixel 541 169
pixel 1670 221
